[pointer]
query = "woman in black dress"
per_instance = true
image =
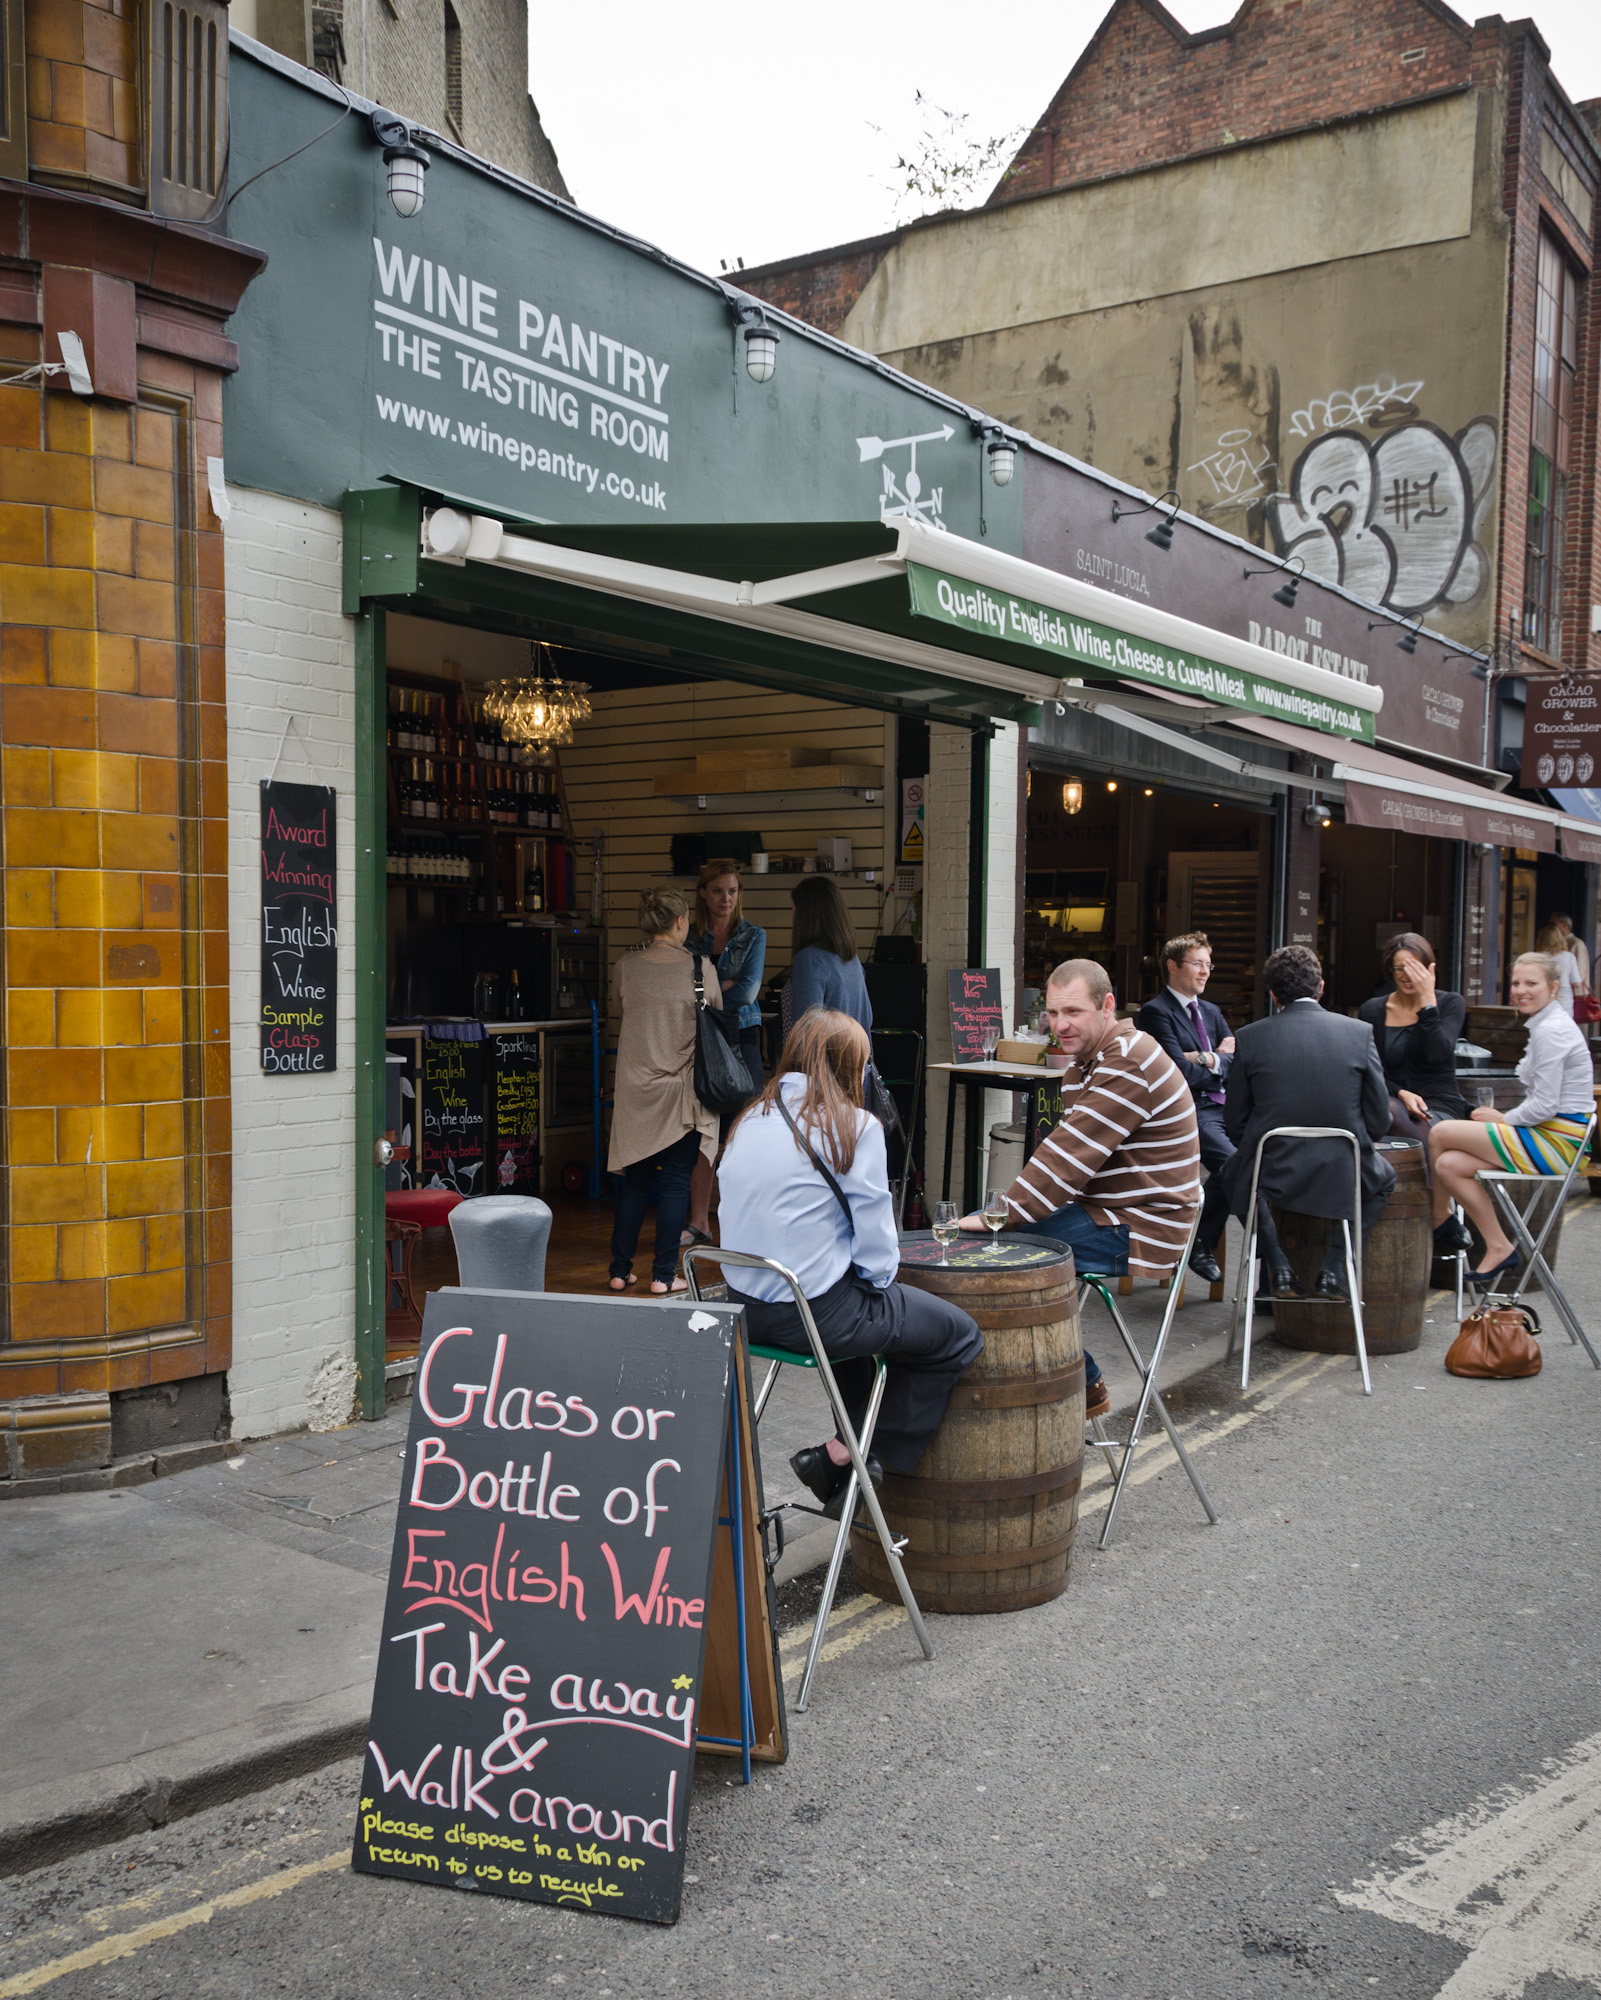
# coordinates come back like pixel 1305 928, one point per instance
pixel 1416 1030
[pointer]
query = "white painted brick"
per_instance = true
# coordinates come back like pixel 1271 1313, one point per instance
pixel 290 652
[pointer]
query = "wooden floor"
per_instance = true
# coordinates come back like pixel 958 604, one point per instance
pixel 576 1260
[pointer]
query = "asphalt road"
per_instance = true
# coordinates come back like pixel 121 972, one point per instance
pixel 1193 1775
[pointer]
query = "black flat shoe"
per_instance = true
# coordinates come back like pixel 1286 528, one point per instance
pixel 1284 1284
pixel 1491 1280
pixel 827 1481
pixel 1331 1285
pixel 1451 1236
pixel 1206 1266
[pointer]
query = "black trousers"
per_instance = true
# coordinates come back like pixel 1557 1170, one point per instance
pixel 1217 1149
pixel 1270 1253
pixel 926 1341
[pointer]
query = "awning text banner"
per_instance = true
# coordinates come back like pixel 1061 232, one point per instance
pixel 1019 621
pixel 1405 812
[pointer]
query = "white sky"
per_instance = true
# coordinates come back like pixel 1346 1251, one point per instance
pixel 741 130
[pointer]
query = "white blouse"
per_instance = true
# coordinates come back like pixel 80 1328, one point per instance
pixel 1557 1073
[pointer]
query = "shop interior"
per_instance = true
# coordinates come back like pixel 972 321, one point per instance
pixel 513 874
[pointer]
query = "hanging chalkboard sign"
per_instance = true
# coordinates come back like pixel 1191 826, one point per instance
pixel 299 940
pixel 516 1096
pixel 975 1008
pixel 540 1674
pixel 450 1116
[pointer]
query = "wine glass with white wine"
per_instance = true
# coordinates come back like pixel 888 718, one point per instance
pixel 947 1224
pixel 990 1041
pixel 995 1219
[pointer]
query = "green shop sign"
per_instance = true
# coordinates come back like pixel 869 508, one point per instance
pixel 1019 621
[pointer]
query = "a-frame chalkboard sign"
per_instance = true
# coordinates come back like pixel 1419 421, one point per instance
pixel 543 1669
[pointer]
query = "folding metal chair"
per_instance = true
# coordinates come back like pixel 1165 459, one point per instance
pixel 1351 1225
pixel 858 1445
pixel 1533 1247
pixel 1101 1285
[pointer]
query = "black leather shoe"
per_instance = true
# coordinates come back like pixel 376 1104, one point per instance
pixel 1451 1236
pixel 818 1473
pixel 1331 1285
pixel 1498 1274
pixel 1284 1283
pixel 1206 1266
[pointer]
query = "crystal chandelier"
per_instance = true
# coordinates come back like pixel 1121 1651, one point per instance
pixel 538 712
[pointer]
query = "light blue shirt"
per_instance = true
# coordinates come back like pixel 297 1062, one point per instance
pixel 774 1203
pixel 820 979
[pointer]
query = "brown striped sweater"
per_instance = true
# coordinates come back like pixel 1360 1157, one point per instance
pixel 1127 1150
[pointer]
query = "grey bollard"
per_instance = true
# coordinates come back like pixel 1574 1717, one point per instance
pixel 500 1242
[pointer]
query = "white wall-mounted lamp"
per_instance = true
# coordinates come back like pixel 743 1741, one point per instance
pixel 406 161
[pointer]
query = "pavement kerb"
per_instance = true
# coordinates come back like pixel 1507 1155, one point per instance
pixel 50 1822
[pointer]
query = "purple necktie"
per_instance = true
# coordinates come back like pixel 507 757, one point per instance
pixel 1203 1043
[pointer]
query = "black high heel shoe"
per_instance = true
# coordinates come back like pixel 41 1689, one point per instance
pixel 1490 1281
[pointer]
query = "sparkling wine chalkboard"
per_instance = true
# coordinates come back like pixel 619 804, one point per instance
pixel 299 938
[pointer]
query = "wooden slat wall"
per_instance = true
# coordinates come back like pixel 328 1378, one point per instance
pixel 638 732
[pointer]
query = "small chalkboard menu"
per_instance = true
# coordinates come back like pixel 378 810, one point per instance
pixel 975 1008
pixel 450 1116
pixel 516 1094
pixel 299 940
pixel 544 1639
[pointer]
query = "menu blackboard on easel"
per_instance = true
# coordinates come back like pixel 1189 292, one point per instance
pixel 515 1096
pixel 975 1007
pixel 450 1116
pixel 539 1677
pixel 299 935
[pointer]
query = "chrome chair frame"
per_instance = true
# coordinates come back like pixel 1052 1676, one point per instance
pixel 858 1447
pixel 1532 1247
pixel 1101 1284
pixel 1245 1290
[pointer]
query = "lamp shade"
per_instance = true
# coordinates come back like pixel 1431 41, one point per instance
pixel 537 712
pixel 407 165
pixel 1003 460
pixel 1072 795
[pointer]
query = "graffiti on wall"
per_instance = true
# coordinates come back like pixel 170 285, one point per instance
pixel 1393 518
pixel 1377 404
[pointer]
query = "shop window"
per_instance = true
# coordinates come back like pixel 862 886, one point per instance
pixel 453 85
pixel 1556 355
pixel 189 108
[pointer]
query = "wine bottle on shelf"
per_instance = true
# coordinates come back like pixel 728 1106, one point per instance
pixel 514 1000
pixel 534 886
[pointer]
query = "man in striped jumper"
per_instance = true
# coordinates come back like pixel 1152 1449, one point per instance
pixel 1119 1180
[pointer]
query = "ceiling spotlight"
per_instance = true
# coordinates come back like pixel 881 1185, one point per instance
pixel 1315 815
pixel 406 161
pixel 1161 536
pixel 760 338
pixel 1072 796
pixel 1111 784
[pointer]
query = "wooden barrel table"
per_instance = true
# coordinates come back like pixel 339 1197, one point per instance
pixel 990 1511
pixel 1395 1269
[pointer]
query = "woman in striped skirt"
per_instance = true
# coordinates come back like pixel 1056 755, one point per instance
pixel 1539 1136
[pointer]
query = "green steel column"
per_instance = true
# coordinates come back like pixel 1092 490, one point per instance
pixel 371 1289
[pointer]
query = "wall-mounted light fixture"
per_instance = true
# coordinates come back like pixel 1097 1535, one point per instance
pixel 999 450
pixel 74 364
pixel 759 335
pixel 406 161
pixel 1316 814
pixel 1162 534
pixel 1111 784
pixel 1408 641
pixel 1285 594
pixel 1072 796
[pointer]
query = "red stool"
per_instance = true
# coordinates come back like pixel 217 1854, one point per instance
pixel 428 1206
pixel 402 1306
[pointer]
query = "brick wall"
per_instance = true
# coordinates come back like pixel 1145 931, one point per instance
pixel 397 58
pixel 1145 91
pixel 820 290
pixel 83 63
pixel 290 653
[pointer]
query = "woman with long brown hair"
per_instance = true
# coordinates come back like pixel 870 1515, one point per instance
pixel 737 948
pixel 804 1180
pixel 825 970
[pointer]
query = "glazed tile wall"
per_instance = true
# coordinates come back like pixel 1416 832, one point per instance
pixel 83 63
pixel 290 653
pixel 113 757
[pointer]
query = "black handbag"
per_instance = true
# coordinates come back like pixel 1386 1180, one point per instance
pixel 877 1100
pixel 722 1082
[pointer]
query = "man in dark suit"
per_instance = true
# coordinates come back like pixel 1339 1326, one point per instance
pixel 1197 1038
pixel 1302 1066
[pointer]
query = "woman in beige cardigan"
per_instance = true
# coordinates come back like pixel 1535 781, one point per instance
pixel 657 1120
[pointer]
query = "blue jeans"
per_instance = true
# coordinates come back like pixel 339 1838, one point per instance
pixel 672 1207
pixel 1098 1250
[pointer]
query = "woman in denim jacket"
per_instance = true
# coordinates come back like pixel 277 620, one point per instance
pixel 739 950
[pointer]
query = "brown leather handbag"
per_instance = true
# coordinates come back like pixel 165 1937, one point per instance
pixel 1496 1343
